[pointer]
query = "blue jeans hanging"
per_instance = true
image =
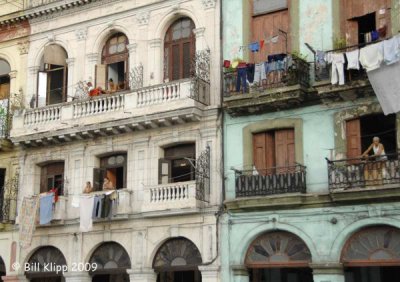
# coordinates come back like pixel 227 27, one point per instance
pixel 241 79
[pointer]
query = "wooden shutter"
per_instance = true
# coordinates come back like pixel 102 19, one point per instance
pixel 267 26
pixel 285 149
pixel 42 89
pixel 101 76
pixel 98 176
pixel 353 137
pixel 164 171
pixel 176 63
pixel 187 59
pixel 4 91
pixel 264 152
pixel 43 179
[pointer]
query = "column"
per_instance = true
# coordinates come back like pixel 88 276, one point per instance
pixel 32 85
pixel 240 274
pixel 142 275
pixel 155 63
pixel 93 59
pixel 135 68
pixel 77 277
pixel 209 273
pixel 329 272
pixel 71 80
pixel 200 41
pixel 13 84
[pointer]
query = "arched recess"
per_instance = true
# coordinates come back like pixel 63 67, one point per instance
pixel 278 254
pixel 111 261
pixel 372 254
pixel 2 269
pixel 43 265
pixel 178 260
pixel 52 76
pixel 179 49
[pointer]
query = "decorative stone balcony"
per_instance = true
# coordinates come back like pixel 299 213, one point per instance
pixel 173 196
pixel 109 114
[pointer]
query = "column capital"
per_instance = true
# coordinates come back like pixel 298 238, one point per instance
pixel 70 61
pixel 93 57
pixel 132 47
pixel 240 270
pixel 34 69
pixel 77 277
pixel 327 268
pixel 142 274
pixel 155 43
pixel 209 272
pixel 199 32
pixel 13 74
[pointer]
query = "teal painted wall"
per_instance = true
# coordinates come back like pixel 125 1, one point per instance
pixel 315 25
pixel 318 138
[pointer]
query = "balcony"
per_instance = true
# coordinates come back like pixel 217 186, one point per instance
pixel 273 181
pixel 173 196
pixel 282 89
pixel 110 114
pixel 359 173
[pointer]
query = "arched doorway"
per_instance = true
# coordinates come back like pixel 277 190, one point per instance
pixel 52 76
pixel 113 72
pixel 2 269
pixel 177 260
pixel 43 264
pixel 112 262
pixel 280 257
pixel 372 255
pixel 179 49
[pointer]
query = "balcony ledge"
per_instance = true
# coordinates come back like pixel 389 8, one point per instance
pixel 348 92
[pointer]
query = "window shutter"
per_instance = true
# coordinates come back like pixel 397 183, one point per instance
pixel 268 6
pixel 353 136
pixel 4 91
pixel 284 149
pixel 187 58
pixel 259 152
pixel 43 179
pixel 98 176
pixel 164 171
pixel 101 76
pixel 42 89
pixel 176 63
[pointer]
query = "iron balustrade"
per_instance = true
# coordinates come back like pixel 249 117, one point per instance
pixel 364 172
pixel 276 180
pixel 297 74
pixel 324 73
pixel 5 118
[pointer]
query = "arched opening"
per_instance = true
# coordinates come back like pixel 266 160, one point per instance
pixel 372 255
pixel 280 257
pixel 177 260
pixel 52 76
pixel 179 49
pixel 45 265
pixel 112 262
pixel 113 72
pixel 5 70
pixel 2 269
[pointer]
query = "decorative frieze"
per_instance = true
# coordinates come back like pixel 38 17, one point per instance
pixel 207 4
pixel 143 18
pixel 23 47
pixel 81 34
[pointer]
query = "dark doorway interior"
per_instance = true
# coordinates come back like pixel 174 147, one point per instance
pixel 281 275
pixel 121 277
pixel 179 276
pixel 372 274
pixel 366 24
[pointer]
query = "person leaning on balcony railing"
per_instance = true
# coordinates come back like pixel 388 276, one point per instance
pixel 88 188
pixel 375 171
pixel 107 184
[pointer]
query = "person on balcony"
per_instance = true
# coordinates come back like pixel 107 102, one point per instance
pixel 107 184
pixel 112 87
pixel 377 148
pixel 88 188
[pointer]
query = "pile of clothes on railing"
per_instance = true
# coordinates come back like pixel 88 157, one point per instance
pixel 96 206
pixel 380 60
pixel 254 74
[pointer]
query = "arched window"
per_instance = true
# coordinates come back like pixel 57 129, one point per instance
pixel 4 79
pixel 53 76
pixel 39 262
pixel 178 260
pixel 112 74
pixel 179 49
pixel 112 261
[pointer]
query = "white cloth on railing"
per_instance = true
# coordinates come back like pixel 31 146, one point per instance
pixel 386 84
pixel 337 61
pixel 371 56
pixel 391 51
pixel 85 213
pixel 353 62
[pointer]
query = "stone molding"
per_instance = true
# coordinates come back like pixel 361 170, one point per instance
pixel 143 18
pixel 208 4
pixel 23 47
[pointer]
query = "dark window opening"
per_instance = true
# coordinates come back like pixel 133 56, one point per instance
pixel 280 275
pixel 115 168
pixel 122 277
pixel 56 88
pixel 4 87
pixel 365 24
pixel 371 274
pixel 116 76
pixel 2 188
pixel 52 176
pixel 179 276
pixel 178 164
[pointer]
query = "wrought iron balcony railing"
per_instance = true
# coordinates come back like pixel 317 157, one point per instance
pixel 359 173
pixel 277 180
pixel 297 74
pixel 5 119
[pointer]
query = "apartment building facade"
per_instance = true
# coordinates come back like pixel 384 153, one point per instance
pixel 154 131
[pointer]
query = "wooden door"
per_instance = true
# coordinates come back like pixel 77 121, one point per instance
pixel 264 152
pixel 353 136
pixel 284 149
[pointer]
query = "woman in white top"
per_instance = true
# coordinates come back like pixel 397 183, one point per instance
pixel 378 148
